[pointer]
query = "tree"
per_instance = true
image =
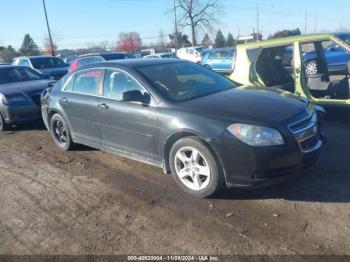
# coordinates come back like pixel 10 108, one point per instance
pixel 29 47
pixel 162 42
pixel 206 42
pixel 48 49
pixel 129 42
pixel 182 40
pixel 230 42
pixel 220 40
pixel 285 33
pixel 198 14
pixel 7 54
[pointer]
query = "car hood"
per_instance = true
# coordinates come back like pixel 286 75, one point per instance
pixel 251 104
pixel 24 87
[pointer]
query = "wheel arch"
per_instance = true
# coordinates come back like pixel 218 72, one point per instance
pixel 172 139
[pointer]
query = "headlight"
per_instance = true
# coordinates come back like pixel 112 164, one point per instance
pixel 14 99
pixel 256 135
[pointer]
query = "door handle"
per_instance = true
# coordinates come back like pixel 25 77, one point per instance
pixel 102 106
pixel 64 100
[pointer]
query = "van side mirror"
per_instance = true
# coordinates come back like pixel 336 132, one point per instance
pixel 136 96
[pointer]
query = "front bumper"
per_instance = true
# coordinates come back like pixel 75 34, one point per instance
pixel 251 167
pixel 20 114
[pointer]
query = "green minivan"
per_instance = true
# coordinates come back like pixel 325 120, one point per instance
pixel 303 65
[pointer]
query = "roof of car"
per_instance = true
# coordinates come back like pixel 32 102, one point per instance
pixel 136 62
pixel 37 56
pixel 290 39
pixel 2 66
pixel 102 53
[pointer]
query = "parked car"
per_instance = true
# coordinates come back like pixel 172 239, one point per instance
pixel 337 57
pixel 161 55
pixel 265 64
pixel 98 58
pixel 186 119
pixel 219 60
pixel 193 54
pixel 20 90
pixel 49 66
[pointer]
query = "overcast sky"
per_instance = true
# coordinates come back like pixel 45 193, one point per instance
pixel 76 23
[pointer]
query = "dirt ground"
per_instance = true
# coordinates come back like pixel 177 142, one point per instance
pixel 90 202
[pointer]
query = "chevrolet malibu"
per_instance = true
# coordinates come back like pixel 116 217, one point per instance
pixel 186 119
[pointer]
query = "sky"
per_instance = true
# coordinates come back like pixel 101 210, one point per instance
pixel 80 23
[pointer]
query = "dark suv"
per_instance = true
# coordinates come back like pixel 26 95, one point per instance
pixel 98 58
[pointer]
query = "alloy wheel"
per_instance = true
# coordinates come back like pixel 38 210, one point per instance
pixel 192 168
pixel 311 68
pixel 60 132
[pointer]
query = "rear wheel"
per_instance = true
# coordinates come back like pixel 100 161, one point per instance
pixel 194 168
pixel 3 125
pixel 60 133
pixel 311 68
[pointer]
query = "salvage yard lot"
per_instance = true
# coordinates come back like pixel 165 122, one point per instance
pixel 90 202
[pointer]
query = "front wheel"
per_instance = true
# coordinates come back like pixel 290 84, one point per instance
pixel 60 133
pixel 311 68
pixel 194 168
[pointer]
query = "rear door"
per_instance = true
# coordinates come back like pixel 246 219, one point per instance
pixel 126 126
pixel 79 103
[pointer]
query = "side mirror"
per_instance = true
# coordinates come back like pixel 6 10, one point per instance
pixel 136 96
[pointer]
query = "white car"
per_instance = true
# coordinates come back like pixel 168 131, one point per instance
pixel 193 54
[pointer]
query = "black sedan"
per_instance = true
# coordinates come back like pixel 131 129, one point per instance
pixel 186 119
pixel 20 90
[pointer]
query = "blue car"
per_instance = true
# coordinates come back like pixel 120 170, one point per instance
pixel 219 60
pixel 337 57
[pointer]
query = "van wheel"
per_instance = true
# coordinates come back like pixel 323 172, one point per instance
pixel 60 133
pixel 311 68
pixel 194 168
pixel 3 125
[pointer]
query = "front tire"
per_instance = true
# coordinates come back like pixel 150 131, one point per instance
pixel 194 168
pixel 60 133
pixel 3 125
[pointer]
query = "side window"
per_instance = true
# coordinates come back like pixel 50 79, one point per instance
pixel 252 54
pixel 98 59
pixel 190 51
pixel 23 62
pixel 68 85
pixel 117 82
pixel 215 55
pixel 87 82
pixel 86 61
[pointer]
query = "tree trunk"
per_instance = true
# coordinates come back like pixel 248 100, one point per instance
pixel 194 43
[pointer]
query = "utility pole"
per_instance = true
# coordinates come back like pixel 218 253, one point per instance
pixel 316 23
pixel 257 20
pixel 306 18
pixel 175 21
pixel 48 29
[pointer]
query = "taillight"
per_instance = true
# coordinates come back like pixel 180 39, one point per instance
pixel 73 66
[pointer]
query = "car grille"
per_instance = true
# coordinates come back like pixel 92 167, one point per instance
pixel 307 133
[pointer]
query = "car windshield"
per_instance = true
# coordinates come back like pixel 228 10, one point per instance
pixel 200 50
pixel 18 74
pixel 185 81
pixel 47 63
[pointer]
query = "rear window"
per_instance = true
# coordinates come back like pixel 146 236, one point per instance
pixel 47 62
pixel 109 57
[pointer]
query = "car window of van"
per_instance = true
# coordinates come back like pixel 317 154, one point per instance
pixel 117 82
pixel 252 53
pixel 87 82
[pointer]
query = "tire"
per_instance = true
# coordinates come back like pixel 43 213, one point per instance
pixel 3 125
pixel 60 133
pixel 203 176
pixel 311 68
